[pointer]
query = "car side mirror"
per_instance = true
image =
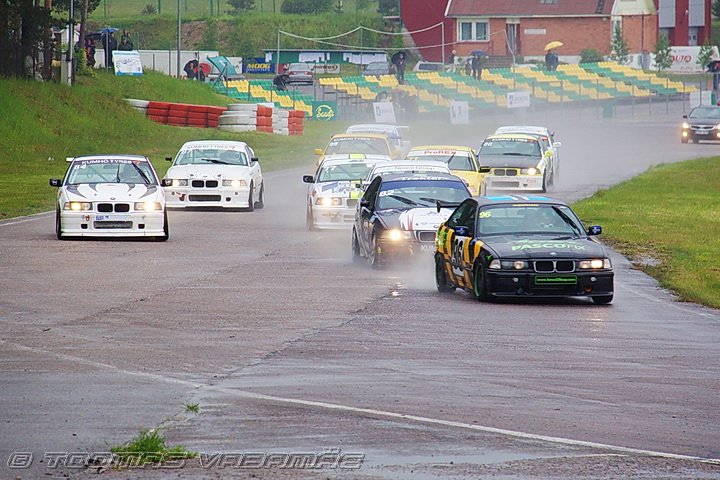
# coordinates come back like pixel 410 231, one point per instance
pixel 255 159
pixel 484 169
pixel 55 182
pixel 364 202
pixel 557 144
pixel 168 159
pixel 308 179
pixel 166 182
pixel 594 230
pixel 684 116
pixel 318 151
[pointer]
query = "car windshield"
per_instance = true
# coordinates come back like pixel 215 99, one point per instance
pixel 511 146
pixel 454 160
pixel 344 145
pixel 529 219
pixel 705 112
pixel 405 194
pixel 407 169
pixel 110 171
pixel 200 156
pixel 347 171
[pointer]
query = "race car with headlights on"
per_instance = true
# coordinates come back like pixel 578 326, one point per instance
pixel 462 161
pixel 702 123
pixel 521 246
pixel 517 162
pixel 215 174
pixel 334 190
pixel 358 143
pixel 398 215
pixel 550 146
pixel 110 196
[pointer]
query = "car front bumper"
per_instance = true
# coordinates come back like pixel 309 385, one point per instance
pixel 514 182
pixel 219 197
pixel 582 284
pixel 91 224
pixel 700 133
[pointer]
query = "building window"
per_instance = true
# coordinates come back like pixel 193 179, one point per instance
pixel 473 31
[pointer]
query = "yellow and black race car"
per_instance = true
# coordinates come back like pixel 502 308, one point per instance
pixel 517 246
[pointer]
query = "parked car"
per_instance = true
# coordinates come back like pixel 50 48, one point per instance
pixel 378 68
pixel 299 73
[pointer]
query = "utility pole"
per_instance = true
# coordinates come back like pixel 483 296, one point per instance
pixel 179 44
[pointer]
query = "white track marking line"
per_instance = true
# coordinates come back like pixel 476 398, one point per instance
pixel 371 411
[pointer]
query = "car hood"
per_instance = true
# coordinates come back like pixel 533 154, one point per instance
pixel 114 192
pixel 703 121
pixel 208 171
pixel 543 246
pixel 340 188
pixel 508 161
pixel 423 218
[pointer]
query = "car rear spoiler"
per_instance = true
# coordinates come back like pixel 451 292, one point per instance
pixel 440 205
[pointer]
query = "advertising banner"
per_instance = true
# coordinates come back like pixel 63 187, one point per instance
pixel 325 110
pixel 127 62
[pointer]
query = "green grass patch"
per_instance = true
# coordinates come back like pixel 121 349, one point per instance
pixel 149 447
pixel 666 221
pixel 47 122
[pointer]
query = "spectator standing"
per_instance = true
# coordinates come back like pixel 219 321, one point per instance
pixel 477 66
pixel 125 45
pixel 400 67
pixel 468 67
pixel 126 36
pixel 548 60
pixel 191 69
pixel 109 45
pixel 554 60
pixel 90 52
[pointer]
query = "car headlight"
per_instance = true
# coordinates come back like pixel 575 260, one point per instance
pixel 148 206
pixel 78 206
pixel 685 125
pixel 514 264
pixel 234 183
pixel 529 171
pixel 328 201
pixel 594 264
pixel 397 235
pixel 179 182
pixel 495 265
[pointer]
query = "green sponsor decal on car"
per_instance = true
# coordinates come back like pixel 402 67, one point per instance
pixel 550 244
pixel 567 280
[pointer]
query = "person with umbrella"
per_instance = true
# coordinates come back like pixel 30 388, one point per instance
pixel 109 43
pixel 477 63
pixel 551 56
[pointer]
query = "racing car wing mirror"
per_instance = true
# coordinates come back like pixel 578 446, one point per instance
pixel 684 116
pixel 365 203
pixel 318 151
pixel 255 159
pixel 594 230
pixel 308 179
pixel 166 182
pixel 55 182
pixel 168 159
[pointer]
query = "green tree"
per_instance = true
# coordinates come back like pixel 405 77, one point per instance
pixel 715 8
pixel 389 7
pixel 619 50
pixel 662 51
pixel 590 55
pixel 705 55
pixel 306 7
pixel 239 6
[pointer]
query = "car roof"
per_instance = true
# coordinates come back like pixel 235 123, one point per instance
pixel 530 129
pixel 517 199
pixel 416 163
pixel 114 156
pixel 360 134
pixel 503 136
pixel 354 158
pixel 459 148
pixel 371 127
pixel 229 144
pixel 401 176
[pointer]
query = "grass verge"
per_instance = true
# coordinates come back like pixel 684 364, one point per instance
pixel 47 122
pixel 666 222
pixel 149 447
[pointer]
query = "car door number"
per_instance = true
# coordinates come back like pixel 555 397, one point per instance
pixel 456 256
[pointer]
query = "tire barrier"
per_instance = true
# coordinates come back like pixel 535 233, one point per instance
pixel 236 117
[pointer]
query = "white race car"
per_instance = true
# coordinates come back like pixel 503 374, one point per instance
pixel 335 188
pixel 217 174
pixel 407 167
pixel 547 139
pixel 110 196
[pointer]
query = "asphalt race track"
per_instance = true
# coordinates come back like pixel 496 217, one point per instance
pixel 289 348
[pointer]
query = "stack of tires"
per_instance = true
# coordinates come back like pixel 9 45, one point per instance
pixel 280 122
pixel 178 114
pixel 265 119
pixel 139 105
pixel 296 122
pixel 239 117
pixel 213 116
pixel 158 111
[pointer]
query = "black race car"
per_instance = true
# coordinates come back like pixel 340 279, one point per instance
pixel 398 215
pixel 513 246
pixel 702 123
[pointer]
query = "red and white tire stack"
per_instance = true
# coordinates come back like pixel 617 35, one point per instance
pixel 158 111
pixel 264 118
pixel 296 122
pixel 239 117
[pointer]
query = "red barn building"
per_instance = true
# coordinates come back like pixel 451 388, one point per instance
pixel 524 27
